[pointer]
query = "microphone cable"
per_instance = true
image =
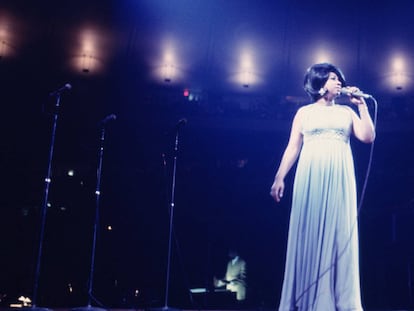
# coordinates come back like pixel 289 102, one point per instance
pixel 371 153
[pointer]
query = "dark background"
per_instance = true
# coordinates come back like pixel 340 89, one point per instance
pixel 229 148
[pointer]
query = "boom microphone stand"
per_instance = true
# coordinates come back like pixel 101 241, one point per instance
pixel 95 227
pixel 48 179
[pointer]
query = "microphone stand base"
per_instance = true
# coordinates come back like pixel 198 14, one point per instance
pixel 165 308
pixel 35 309
pixel 88 308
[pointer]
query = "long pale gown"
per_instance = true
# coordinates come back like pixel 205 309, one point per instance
pixel 322 268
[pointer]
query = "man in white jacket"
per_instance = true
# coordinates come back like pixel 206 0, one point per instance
pixel 236 275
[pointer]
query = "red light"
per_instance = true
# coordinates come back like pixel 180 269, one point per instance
pixel 186 93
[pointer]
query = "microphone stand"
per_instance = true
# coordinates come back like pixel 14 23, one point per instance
pixel 48 180
pixel 95 227
pixel 172 204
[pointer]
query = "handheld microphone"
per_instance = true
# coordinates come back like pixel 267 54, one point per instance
pixel 346 91
pixel 67 86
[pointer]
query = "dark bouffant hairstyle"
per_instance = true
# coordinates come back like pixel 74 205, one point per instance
pixel 316 77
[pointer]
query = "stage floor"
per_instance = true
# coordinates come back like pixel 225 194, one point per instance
pixel 161 309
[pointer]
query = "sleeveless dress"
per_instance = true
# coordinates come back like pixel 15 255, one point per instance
pixel 322 267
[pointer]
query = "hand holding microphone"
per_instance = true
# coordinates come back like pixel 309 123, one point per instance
pixel 354 92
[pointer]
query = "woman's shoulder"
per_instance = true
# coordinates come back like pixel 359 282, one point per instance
pixel 304 108
pixel 301 113
pixel 307 106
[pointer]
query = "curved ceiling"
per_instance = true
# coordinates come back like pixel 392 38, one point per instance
pixel 219 45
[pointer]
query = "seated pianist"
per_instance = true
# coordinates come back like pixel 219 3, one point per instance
pixel 235 277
